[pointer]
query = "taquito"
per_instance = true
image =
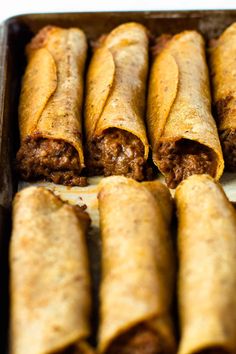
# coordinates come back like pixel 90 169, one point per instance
pixel 138 268
pixel 182 131
pixel 49 276
pixel 223 71
pixel 115 101
pixel 50 107
pixel 207 273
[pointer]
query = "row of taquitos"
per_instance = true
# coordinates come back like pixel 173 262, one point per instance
pixel 182 131
pixel 50 281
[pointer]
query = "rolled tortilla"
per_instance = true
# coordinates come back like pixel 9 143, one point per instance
pixel 223 71
pixel 182 130
pixel 207 274
pixel 115 102
pixel 138 268
pixel 50 107
pixel 50 281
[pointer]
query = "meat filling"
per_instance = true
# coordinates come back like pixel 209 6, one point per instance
pixel 117 152
pixel 138 340
pixel 228 141
pixel 53 160
pixel 183 158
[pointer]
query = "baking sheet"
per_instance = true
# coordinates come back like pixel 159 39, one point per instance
pixel 16 32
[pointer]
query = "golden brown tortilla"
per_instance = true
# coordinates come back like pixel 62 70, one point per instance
pixel 49 276
pixel 115 98
pixel 207 273
pixel 52 91
pixel 223 71
pixel 182 131
pixel 138 268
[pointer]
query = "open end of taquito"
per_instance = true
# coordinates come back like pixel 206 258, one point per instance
pixel 182 158
pixel 117 152
pixel 55 160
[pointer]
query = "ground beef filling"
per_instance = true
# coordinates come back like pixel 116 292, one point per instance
pixel 53 160
pixel 138 340
pixel 183 158
pixel 117 152
pixel 228 142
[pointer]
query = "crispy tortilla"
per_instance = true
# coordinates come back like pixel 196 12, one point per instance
pixel 179 110
pixel 138 266
pixel 50 280
pixel 52 88
pixel 116 86
pixel 207 273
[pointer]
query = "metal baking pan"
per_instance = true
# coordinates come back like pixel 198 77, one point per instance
pixel 14 34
